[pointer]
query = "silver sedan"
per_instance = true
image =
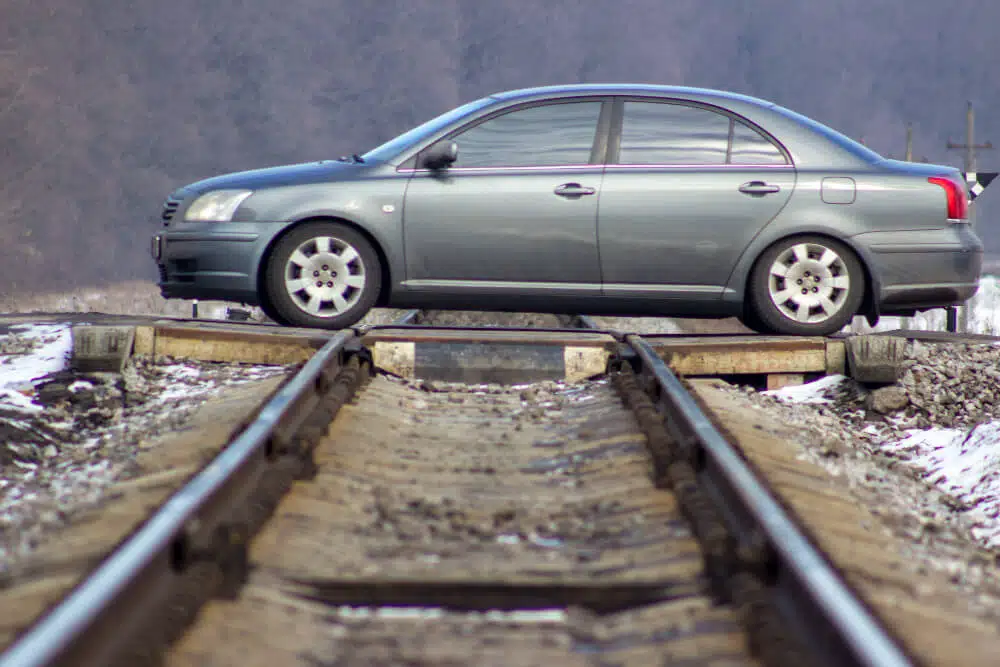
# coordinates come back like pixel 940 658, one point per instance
pixel 601 199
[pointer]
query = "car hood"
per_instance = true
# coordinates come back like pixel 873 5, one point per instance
pixel 293 174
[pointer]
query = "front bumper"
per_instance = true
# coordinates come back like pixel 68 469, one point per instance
pixel 212 260
pixel 925 269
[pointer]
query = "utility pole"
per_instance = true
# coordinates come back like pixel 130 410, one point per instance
pixel 970 147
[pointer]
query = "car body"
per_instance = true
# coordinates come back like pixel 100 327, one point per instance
pixel 599 198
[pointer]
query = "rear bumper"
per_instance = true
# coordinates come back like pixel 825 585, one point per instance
pixel 212 260
pixel 924 270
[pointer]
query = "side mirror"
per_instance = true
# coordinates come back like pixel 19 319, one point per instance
pixel 439 156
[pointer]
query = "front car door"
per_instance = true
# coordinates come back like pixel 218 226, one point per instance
pixel 516 214
pixel 686 189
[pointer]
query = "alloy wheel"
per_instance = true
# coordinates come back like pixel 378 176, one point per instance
pixel 325 276
pixel 809 283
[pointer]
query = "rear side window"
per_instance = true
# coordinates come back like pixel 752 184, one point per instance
pixel 659 133
pixel 751 147
pixel 539 136
pixel 678 134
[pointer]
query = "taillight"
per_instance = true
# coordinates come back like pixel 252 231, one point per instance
pixel 958 198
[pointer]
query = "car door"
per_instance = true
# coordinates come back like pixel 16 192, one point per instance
pixel 516 213
pixel 686 189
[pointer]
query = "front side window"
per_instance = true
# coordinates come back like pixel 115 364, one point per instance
pixel 666 133
pixel 539 136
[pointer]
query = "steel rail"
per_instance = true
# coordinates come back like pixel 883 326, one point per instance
pixel 64 629
pixel 861 636
pixel 473 328
pixel 62 634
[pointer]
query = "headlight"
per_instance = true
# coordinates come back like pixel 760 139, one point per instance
pixel 218 206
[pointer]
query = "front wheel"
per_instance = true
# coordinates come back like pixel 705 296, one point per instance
pixel 323 275
pixel 750 320
pixel 806 286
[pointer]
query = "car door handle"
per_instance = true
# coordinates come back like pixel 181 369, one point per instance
pixel 758 188
pixel 573 190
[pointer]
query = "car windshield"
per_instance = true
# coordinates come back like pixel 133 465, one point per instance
pixel 394 147
pixel 850 145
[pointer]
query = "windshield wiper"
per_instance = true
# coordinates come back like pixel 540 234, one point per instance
pixel 353 158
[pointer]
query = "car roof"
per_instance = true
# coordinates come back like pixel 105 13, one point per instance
pixel 627 89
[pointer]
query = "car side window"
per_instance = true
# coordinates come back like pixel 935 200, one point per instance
pixel 751 147
pixel 538 136
pixel 679 134
pixel 665 133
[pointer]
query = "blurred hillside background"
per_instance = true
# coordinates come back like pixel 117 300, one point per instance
pixel 107 106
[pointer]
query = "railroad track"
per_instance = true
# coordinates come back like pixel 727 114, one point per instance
pixel 362 517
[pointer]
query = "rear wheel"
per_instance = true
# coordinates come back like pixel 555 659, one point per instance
pixel 805 286
pixel 323 275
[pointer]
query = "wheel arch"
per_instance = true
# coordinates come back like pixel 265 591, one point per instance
pixel 869 302
pixel 386 272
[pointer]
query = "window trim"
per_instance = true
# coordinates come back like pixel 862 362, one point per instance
pixel 707 167
pixel 598 148
pixel 614 143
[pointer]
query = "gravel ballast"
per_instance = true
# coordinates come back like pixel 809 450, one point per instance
pixel 65 437
pixel 886 447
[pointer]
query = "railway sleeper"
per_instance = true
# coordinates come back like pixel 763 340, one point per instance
pixel 210 558
pixel 737 568
pixel 510 596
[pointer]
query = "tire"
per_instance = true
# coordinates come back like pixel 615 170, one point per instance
pixel 322 275
pixel 269 310
pixel 806 286
pixel 750 320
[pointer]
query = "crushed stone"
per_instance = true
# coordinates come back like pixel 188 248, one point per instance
pixel 69 436
pixel 889 446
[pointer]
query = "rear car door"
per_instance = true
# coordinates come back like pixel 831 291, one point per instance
pixel 686 189
pixel 517 211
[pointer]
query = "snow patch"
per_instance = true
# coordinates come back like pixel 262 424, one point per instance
pixel 965 465
pixel 14 401
pixel 51 354
pixel 80 385
pixel 812 392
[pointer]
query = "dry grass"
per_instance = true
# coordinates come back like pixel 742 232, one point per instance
pixel 658 325
pixel 730 325
pixel 140 297
pixel 137 297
